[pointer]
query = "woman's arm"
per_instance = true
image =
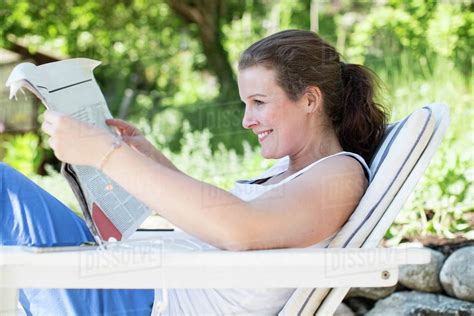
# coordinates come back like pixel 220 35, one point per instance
pixel 163 160
pixel 298 213
pixel 210 213
pixel 203 210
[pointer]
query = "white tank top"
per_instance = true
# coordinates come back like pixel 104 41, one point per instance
pixel 243 301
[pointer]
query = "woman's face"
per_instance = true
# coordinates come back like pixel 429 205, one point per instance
pixel 279 123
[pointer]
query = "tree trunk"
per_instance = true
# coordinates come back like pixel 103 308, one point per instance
pixel 206 14
pixel 37 57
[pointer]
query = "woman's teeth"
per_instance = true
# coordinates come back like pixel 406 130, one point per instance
pixel 263 134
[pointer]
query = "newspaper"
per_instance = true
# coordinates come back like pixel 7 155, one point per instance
pixel 69 87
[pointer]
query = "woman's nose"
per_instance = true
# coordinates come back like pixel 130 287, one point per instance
pixel 249 119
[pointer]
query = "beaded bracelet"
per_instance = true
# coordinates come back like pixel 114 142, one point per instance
pixel 115 145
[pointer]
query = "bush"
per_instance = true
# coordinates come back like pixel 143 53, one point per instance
pixel 442 203
pixel 23 152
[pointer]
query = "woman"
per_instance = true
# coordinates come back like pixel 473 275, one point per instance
pixel 300 100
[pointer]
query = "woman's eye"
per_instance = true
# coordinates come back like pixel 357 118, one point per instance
pixel 258 102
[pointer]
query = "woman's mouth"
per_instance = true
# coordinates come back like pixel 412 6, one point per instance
pixel 263 135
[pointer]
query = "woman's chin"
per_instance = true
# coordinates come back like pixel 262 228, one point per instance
pixel 268 154
pixel 264 154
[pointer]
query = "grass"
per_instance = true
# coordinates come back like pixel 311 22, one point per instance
pixel 442 203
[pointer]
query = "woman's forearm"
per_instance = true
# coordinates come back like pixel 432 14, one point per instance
pixel 210 213
pixel 163 160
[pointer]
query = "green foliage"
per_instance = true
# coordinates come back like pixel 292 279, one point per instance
pixel 451 30
pixel 395 24
pixel 443 200
pixel 140 43
pixel 23 153
pixel 442 203
pixel 421 49
pixel 420 26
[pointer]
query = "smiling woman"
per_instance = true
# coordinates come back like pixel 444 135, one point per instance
pixel 304 105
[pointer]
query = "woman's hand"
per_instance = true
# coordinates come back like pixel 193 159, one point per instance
pixel 76 142
pixel 132 136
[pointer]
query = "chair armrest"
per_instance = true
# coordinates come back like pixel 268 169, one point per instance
pixel 160 267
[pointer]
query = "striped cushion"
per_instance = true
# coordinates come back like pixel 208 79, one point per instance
pixel 403 144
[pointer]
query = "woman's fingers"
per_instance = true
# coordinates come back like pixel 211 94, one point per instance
pixel 124 127
pixel 47 127
pixel 118 130
pixel 118 123
pixel 52 143
pixel 54 121
pixel 132 141
pixel 52 116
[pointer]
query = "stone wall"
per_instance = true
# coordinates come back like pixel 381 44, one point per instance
pixel 445 286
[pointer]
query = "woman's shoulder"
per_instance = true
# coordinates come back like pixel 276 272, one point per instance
pixel 345 165
pixel 318 201
pixel 341 175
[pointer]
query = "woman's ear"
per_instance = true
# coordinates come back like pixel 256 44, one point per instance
pixel 313 99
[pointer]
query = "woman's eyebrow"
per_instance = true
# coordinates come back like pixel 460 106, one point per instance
pixel 256 95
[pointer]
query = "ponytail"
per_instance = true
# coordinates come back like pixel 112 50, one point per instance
pixel 362 123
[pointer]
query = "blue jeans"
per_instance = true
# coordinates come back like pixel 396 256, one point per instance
pixel 31 216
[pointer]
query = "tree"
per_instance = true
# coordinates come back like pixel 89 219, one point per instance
pixel 207 15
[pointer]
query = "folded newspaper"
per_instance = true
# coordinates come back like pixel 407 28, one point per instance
pixel 69 87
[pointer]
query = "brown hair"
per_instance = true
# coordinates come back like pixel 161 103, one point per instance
pixel 302 59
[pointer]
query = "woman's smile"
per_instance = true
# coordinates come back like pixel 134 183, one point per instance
pixel 263 135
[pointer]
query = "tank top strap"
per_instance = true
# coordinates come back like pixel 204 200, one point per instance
pixel 361 160
pixel 283 165
pixel 367 171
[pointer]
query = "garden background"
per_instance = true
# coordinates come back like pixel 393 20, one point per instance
pixel 169 67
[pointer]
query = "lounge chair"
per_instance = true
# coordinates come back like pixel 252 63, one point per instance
pixel 398 164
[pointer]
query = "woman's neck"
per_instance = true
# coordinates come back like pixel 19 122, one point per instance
pixel 325 145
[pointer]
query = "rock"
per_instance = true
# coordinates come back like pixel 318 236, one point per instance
pixel 359 305
pixel 446 246
pixel 457 274
pixel 343 310
pixel 417 303
pixel 374 293
pixel 423 277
